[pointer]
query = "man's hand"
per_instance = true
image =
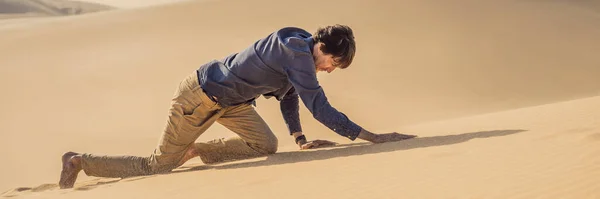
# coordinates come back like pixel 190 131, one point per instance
pixel 316 144
pixel 381 138
pixel 392 137
pixel 304 144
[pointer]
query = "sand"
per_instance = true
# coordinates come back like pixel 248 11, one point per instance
pixel 503 95
pixel 23 8
pixel 129 4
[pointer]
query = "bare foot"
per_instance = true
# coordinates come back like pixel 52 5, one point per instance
pixel 71 165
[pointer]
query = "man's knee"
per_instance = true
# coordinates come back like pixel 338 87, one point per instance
pixel 272 147
pixel 269 146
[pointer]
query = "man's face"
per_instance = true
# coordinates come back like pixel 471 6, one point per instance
pixel 323 62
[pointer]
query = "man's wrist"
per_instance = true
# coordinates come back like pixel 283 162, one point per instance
pixel 299 138
pixel 368 136
pixel 296 134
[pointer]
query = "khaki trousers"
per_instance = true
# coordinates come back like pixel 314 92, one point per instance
pixel 191 113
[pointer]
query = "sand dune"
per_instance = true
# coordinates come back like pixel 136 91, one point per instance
pixel 127 4
pixel 548 151
pixel 102 83
pixel 37 8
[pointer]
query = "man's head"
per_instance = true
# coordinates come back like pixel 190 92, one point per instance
pixel 334 47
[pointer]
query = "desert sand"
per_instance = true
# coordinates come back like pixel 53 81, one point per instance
pixel 129 4
pixel 504 96
pixel 32 8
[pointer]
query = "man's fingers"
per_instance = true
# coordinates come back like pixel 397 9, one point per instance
pixel 392 137
pixel 318 143
pixel 324 142
pixel 308 145
pixel 408 136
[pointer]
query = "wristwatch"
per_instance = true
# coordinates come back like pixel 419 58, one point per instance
pixel 302 137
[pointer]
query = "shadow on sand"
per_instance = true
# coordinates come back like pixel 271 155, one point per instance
pixel 343 150
pixel 355 149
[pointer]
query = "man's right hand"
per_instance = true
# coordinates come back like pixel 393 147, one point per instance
pixel 381 138
pixel 392 137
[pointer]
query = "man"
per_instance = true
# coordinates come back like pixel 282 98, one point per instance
pixel 282 65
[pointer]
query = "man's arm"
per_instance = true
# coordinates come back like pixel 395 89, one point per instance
pixel 301 72
pixel 290 110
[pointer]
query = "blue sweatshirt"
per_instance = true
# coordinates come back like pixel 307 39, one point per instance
pixel 280 65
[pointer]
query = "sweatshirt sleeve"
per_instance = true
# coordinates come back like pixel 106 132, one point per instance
pixel 289 106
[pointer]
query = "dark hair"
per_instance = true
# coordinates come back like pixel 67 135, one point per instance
pixel 339 42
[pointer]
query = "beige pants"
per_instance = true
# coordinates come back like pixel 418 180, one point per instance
pixel 191 113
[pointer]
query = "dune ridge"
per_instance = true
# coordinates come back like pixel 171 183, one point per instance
pixel 38 8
